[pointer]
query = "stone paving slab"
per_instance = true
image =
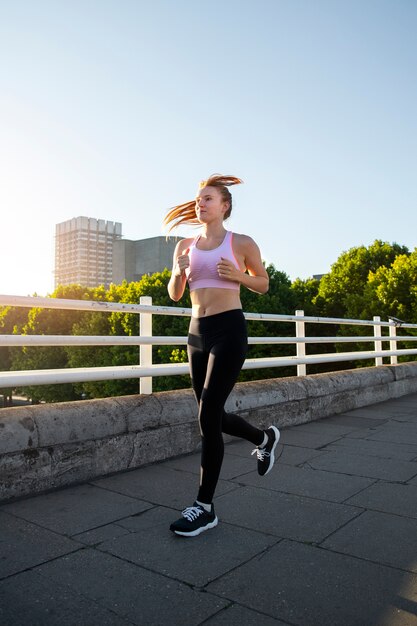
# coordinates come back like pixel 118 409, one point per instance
pixel 385 410
pixel 310 586
pixel 283 515
pixel 233 465
pixel 333 429
pixel 389 498
pixel 382 449
pixel 356 422
pixel 367 433
pixel 29 599
pixel 304 439
pixel 307 482
pixel 379 537
pixel 397 433
pixel 151 545
pixel 132 592
pixel 364 465
pixel 76 509
pixel 24 545
pixel 158 484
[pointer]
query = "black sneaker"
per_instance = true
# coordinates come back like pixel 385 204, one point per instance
pixel 266 456
pixel 195 520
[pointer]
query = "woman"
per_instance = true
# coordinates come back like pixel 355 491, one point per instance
pixel 215 264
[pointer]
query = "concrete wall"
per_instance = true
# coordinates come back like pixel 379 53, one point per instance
pixel 52 445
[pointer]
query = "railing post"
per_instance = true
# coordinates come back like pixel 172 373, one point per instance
pixel 301 346
pixel 377 342
pixel 393 342
pixel 145 352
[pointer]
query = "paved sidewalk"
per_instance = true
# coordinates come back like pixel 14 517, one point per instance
pixel 329 537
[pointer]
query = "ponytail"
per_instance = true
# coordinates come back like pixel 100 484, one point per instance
pixel 186 213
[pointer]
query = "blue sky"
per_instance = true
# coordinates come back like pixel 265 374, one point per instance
pixel 116 109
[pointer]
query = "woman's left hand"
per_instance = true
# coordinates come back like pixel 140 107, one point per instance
pixel 228 271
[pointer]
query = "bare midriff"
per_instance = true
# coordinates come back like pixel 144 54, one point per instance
pixel 210 301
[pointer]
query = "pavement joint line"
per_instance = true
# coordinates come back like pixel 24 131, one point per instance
pixel 353 495
pixel 222 610
pixel 334 471
pixel 258 555
pixel 397 443
pixel 260 532
pixel 366 560
pixel 349 555
pixel 336 530
pixel 248 607
pixel 41 563
pixel 115 522
pixel 75 535
pixel 299 495
pixel 197 588
pixel 38 525
pixel 308 497
pixel 374 510
pixel 244 606
pixel 125 559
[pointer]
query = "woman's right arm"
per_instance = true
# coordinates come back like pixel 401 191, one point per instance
pixel 181 261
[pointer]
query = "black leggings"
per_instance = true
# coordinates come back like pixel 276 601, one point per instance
pixel 217 347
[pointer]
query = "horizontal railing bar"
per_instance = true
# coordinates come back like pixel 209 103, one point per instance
pixel 91 305
pixel 311 359
pixel 165 340
pixel 124 307
pixel 89 340
pixel 75 375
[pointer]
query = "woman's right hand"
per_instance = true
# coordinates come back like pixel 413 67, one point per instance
pixel 183 261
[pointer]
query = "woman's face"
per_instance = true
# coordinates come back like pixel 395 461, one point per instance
pixel 209 205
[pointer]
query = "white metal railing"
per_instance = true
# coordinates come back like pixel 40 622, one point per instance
pixel 145 370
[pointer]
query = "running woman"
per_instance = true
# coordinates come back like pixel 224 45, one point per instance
pixel 216 264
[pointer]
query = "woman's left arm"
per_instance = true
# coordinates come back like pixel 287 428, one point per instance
pixel 257 278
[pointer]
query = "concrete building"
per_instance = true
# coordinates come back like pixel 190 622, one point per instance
pixel 91 252
pixel 133 259
pixel 84 251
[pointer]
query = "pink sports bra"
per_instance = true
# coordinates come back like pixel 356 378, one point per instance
pixel 202 271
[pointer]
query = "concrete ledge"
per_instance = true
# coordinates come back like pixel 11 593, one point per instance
pixel 53 445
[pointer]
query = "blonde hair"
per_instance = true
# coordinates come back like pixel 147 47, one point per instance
pixel 186 214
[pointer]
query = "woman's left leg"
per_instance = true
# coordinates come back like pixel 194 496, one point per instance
pixel 225 361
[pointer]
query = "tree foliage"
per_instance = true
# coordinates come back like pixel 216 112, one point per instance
pixel 342 292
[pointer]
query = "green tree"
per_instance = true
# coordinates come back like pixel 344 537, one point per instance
pixel 304 294
pixel 393 290
pixel 12 319
pixel 42 321
pixel 345 292
pixel 341 292
pixel 155 286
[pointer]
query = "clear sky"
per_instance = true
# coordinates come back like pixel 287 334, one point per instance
pixel 116 109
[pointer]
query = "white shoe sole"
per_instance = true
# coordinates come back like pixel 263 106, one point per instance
pixel 272 457
pixel 198 531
